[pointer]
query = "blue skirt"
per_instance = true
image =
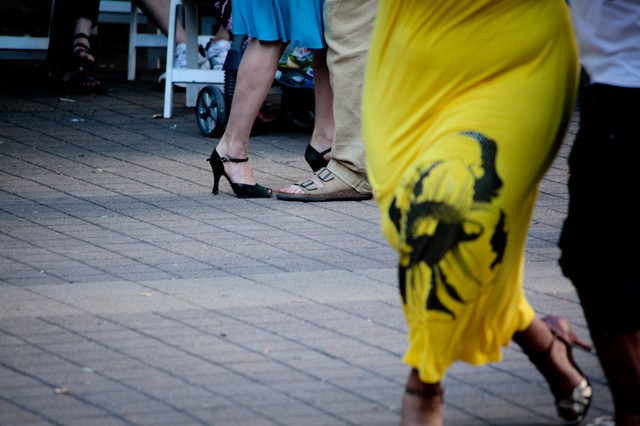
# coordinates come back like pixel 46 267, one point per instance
pixel 296 21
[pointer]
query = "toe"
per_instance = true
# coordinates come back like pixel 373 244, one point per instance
pixel 292 189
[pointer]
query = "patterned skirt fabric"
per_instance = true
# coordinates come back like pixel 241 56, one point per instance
pixel 465 105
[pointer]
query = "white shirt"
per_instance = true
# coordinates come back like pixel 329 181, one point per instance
pixel 608 34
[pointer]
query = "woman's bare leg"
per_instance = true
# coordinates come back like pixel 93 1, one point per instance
pixel 255 76
pixel 422 402
pixel 537 342
pixel 83 26
pixel 620 359
pixel 158 12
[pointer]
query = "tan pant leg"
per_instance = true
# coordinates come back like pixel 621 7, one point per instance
pixel 348 27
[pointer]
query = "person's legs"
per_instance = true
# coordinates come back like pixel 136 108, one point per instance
pixel 223 13
pixel 348 28
pixel 69 17
pixel 81 49
pixel 422 402
pixel 457 204
pixel 158 12
pixel 60 33
pixel 87 17
pixel 611 303
pixel 69 52
pixel 548 345
pixel 603 169
pixel 255 77
pixel 223 16
pixel 324 127
pixel 620 359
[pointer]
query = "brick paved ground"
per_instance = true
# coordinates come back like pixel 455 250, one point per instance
pixel 150 301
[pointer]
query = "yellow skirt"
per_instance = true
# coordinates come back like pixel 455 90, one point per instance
pixel 465 105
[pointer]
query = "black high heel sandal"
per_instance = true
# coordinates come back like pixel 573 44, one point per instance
pixel 81 51
pixel 573 407
pixel 315 159
pixel 76 80
pixel 242 190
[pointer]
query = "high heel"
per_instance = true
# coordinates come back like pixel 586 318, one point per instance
pixel 573 407
pixel 315 159
pixel 562 329
pixel 242 190
pixel 82 52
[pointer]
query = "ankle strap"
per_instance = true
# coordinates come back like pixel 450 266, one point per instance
pixel 428 391
pixel 226 159
pixel 81 36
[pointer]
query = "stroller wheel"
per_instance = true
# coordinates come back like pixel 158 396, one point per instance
pixel 211 111
pixel 298 108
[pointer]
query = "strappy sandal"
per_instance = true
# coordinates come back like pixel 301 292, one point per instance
pixel 77 81
pixel 573 407
pixel 81 51
pixel 316 159
pixel 242 190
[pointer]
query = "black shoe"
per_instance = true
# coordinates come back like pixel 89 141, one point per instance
pixel 242 190
pixel 315 159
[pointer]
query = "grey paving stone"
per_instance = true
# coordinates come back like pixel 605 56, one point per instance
pixel 155 302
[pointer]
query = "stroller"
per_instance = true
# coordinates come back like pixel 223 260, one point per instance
pixel 294 79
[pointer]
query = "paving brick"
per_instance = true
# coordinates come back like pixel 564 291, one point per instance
pixel 156 302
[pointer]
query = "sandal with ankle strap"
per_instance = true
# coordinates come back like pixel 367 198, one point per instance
pixel 561 328
pixel 77 81
pixel 82 51
pixel 242 190
pixel 316 159
pixel 573 407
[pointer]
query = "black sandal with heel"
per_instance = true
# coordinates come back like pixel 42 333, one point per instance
pixel 76 80
pixel 242 190
pixel 75 76
pixel 81 51
pixel 572 407
pixel 316 159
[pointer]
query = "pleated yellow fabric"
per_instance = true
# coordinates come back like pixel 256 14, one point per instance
pixel 465 105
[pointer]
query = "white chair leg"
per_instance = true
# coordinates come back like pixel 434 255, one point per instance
pixel 191 30
pixel 171 42
pixel 133 42
pixel 193 77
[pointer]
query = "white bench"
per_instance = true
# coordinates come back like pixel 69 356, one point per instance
pixel 23 47
pixel 111 12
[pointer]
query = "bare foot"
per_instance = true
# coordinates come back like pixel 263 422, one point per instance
pixel 297 189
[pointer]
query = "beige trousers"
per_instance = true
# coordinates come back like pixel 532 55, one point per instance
pixel 348 26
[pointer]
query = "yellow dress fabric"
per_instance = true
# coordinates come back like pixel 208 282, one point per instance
pixel 465 105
